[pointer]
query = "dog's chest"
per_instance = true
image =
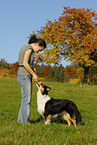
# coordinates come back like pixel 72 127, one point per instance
pixel 41 101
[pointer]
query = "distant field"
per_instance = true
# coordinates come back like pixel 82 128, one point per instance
pixel 57 133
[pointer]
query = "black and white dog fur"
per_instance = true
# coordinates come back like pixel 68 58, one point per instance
pixel 49 107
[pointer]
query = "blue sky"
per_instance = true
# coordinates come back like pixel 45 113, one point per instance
pixel 19 18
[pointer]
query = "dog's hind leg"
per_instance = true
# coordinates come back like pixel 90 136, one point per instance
pixel 66 117
pixel 73 120
pixel 48 119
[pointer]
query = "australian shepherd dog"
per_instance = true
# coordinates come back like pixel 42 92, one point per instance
pixel 49 107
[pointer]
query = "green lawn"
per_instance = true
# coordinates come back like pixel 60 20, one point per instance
pixel 57 133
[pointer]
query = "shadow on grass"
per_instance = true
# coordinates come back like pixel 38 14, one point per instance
pixel 58 120
pixel 36 121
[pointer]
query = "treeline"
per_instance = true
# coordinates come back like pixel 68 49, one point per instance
pixel 72 73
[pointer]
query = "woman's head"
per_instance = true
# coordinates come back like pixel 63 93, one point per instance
pixel 33 39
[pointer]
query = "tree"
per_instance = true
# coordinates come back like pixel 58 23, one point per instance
pixel 72 36
pixel 45 71
pixel 14 68
pixel 56 73
pixel 4 64
pixel 69 73
pixel 51 76
pixel 61 73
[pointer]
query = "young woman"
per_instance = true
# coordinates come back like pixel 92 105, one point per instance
pixel 25 74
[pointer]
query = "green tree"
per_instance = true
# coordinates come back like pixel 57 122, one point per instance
pixel 56 74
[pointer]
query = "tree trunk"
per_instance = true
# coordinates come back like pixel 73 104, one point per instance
pixel 86 75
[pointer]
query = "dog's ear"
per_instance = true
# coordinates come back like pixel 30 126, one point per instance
pixel 48 88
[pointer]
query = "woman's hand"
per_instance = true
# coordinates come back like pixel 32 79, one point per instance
pixel 34 69
pixel 35 78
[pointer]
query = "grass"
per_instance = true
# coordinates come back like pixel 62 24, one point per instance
pixel 57 133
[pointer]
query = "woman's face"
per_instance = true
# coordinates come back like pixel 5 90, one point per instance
pixel 39 48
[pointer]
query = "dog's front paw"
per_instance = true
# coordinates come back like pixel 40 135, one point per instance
pixel 47 122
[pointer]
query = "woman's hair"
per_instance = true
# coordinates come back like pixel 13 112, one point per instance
pixel 33 39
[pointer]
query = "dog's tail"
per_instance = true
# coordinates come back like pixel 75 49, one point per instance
pixel 79 118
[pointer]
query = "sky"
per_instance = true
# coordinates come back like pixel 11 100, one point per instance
pixel 19 18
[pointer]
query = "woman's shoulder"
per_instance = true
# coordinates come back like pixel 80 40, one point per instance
pixel 26 47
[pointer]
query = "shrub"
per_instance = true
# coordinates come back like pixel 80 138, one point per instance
pixel 74 81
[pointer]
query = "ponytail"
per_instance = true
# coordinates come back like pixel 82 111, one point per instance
pixel 33 39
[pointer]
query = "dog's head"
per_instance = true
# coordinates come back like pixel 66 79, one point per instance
pixel 43 88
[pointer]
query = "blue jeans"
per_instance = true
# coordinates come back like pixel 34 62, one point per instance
pixel 26 90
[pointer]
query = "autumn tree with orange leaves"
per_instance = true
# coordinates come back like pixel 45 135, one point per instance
pixel 72 36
